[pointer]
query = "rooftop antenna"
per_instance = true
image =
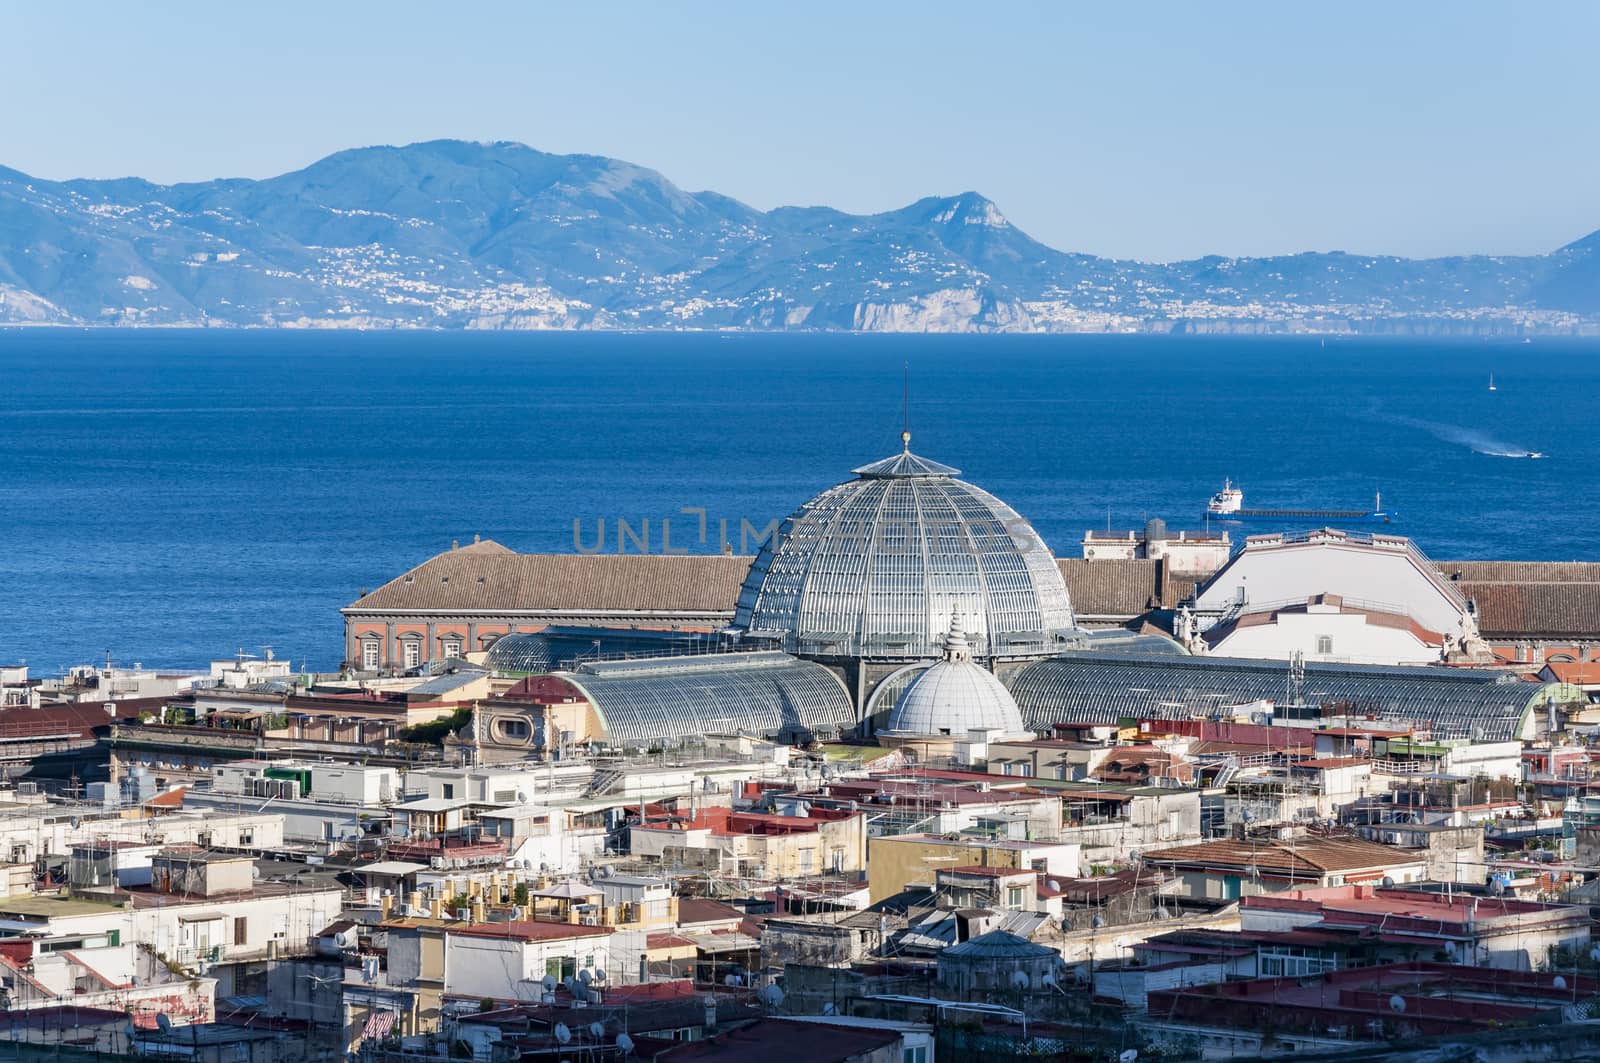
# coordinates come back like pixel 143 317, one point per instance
pixel 905 406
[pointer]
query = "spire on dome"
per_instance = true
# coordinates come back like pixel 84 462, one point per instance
pixel 956 648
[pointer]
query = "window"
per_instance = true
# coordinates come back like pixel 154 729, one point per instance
pixel 247 836
pixel 1324 645
pixel 1013 896
pixel 240 936
pixel 452 648
pixel 513 729
pixel 448 791
pixel 918 1054
pixel 413 653
pixel 369 654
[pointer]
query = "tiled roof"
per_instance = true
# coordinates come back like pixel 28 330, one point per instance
pixel 486 577
pixel 1530 598
pixel 1526 610
pixel 1513 597
pixel 1121 586
pixel 1274 857
pixel 1521 571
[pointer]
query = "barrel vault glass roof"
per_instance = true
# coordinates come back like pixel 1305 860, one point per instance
pixel 565 647
pixel 876 566
pixel 1106 688
pixel 668 699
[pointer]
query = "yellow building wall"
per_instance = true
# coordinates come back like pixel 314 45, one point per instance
pixel 895 862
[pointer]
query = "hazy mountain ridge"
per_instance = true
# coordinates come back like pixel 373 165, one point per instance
pixel 450 234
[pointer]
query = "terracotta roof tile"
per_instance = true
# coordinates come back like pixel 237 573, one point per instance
pixel 487 577
pixel 1275 857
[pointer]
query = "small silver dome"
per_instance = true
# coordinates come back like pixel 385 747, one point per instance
pixel 873 568
pixel 955 696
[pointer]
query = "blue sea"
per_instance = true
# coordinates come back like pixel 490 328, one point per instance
pixel 173 496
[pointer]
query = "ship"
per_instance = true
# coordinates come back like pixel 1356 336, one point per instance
pixel 1228 504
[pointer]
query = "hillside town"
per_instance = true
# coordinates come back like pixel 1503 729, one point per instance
pixel 902 786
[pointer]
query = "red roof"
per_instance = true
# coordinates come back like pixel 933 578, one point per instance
pixel 1575 672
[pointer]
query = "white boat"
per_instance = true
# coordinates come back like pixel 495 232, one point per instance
pixel 1491 382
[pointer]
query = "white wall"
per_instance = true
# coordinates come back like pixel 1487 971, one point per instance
pixel 497 967
pixel 1373 574
pixel 1354 640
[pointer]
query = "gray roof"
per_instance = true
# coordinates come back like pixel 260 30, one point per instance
pixel 1106 688
pixel 998 945
pixel 875 566
pixel 672 698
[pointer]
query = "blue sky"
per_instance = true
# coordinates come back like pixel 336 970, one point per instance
pixel 1156 131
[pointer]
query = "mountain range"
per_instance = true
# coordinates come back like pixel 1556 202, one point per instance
pixel 451 234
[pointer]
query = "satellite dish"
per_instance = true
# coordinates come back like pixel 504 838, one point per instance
pixel 1560 982
pixel 599 974
pixel 1053 884
pixel 562 1034
pixel 624 1043
pixel 1020 980
pixel 1387 883
pixel 549 982
pixel 1128 1056
pixel 828 1008
pixel 585 977
pixel 163 1023
pixel 522 797
pixel 1098 921
pixel 597 1030
pixel 1397 1003
pixel 1496 887
pixel 1450 949
pixel 772 995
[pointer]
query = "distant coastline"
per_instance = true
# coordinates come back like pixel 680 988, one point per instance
pixel 449 235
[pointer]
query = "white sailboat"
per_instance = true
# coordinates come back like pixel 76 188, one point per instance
pixel 1491 382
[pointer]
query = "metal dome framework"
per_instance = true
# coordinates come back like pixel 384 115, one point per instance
pixel 666 700
pixel 1106 689
pixel 874 568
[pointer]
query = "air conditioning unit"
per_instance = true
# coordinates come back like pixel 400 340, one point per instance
pixel 464 914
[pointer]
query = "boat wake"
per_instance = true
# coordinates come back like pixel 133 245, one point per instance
pixel 1472 438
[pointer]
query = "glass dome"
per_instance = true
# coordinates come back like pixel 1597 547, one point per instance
pixel 875 567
